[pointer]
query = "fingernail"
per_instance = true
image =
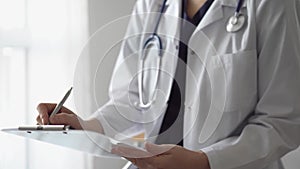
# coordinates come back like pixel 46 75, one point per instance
pixel 43 121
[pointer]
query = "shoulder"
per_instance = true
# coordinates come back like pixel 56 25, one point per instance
pixel 274 5
pixel 277 10
pixel 267 10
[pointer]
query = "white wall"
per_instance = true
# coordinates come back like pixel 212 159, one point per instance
pixel 38 53
pixel 101 12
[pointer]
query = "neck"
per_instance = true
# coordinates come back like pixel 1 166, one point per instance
pixel 193 6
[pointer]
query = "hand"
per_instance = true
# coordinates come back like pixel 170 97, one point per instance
pixel 65 116
pixel 163 157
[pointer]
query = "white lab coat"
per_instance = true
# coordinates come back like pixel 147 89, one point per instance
pixel 242 104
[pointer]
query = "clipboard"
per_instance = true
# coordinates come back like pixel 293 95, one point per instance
pixel 89 142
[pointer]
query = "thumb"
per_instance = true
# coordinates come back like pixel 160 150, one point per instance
pixel 158 149
pixel 66 119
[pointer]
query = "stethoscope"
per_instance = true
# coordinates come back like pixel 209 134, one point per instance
pixel 237 21
pixel 234 24
pixel 152 40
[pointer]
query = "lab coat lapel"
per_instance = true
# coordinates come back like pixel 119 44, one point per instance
pixel 196 78
pixel 213 15
pixel 215 12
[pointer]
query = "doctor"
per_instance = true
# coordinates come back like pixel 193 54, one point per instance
pixel 232 67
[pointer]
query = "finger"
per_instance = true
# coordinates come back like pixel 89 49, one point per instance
pixel 51 106
pixel 159 149
pixel 130 151
pixel 66 119
pixel 140 163
pixel 117 151
pixel 38 120
pixel 132 160
pixel 66 110
pixel 48 106
pixel 159 161
pixel 150 162
pixel 43 113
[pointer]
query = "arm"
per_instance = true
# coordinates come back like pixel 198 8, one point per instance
pixel 274 129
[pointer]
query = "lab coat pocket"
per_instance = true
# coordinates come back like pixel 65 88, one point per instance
pixel 233 80
pixel 241 79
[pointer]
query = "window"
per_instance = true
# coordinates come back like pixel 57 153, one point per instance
pixel 40 42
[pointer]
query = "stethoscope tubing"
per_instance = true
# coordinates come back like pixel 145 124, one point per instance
pixel 163 7
pixel 233 24
pixel 239 6
pixel 153 37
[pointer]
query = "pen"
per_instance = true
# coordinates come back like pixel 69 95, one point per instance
pixel 61 103
pixel 43 127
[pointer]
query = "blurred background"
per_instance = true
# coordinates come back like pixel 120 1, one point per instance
pixel 40 43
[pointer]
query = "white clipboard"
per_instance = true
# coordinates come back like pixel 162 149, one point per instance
pixel 85 141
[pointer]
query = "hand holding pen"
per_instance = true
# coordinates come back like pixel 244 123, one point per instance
pixel 57 114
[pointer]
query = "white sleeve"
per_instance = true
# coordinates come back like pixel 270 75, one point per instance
pixel 274 128
pixel 111 116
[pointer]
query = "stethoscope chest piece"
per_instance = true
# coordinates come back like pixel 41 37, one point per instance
pixel 235 23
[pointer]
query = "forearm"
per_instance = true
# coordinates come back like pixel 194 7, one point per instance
pixel 92 125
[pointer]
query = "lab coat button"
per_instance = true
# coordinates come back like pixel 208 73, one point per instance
pixel 193 52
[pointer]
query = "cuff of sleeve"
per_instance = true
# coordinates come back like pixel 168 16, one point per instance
pixel 212 157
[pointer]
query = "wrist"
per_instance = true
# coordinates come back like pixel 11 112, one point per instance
pixel 92 125
pixel 204 160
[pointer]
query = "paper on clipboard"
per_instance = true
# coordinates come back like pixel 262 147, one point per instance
pixel 85 141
